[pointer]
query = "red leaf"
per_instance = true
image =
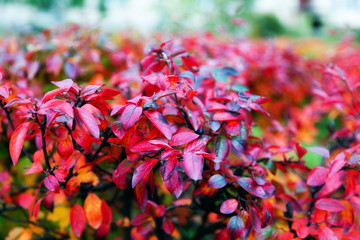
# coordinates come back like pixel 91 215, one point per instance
pixel 72 186
pixel 154 210
pixel 18 101
pixel 65 147
pixel 77 219
pixel 51 94
pixel 301 150
pixel 193 165
pixel 286 236
pixel 174 183
pixel 235 226
pixel 143 146
pixel 103 231
pixel 229 206
pixel 17 141
pixel 330 205
pixel 217 181
pixel 89 120
pixel 61 174
pixel 302 231
pixel 34 168
pixel 258 108
pixel 108 93
pixel 182 138
pixel 139 219
pixel 71 160
pixel 117 110
pixel 106 212
pixel 197 144
pixel 141 193
pixel 160 143
pixel 52 183
pixel 92 207
pixel 331 185
pixel 83 138
pixel 255 219
pixel 119 175
pixel 167 225
pixel 317 176
pixel 160 122
pixel 90 89
pixel 167 169
pixel 58 104
pixel 224 115
pixel 130 116
pixel 320 150
pixel 24 200
pixel 142 170
pixel 36 209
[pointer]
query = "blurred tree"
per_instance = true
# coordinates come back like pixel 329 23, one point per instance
pixel 266 25
pixel 211 15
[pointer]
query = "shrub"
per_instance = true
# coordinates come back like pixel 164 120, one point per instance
pixel 162 144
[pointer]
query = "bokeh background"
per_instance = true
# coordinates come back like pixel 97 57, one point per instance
pixel 328 19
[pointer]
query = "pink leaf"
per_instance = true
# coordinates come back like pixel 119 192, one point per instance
pixel 330 205
pixel 4 91
pixel 160 143
pixel 130 116
pixel 64 84
pixel 193 165
pixel 160 122
pixel 320 150
pixel 217 181
pixel 229 206
pixel 317 176
pixel 251 186
pixel 235 226
pixel 89 120
pixel 336 165
pixel 52 183
pixel 325 233
pixel 4 176
pixel 182 138
pixel 142 170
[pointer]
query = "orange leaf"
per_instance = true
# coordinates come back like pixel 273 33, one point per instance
pixel 92 207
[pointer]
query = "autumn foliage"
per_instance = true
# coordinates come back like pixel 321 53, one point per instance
pixel 108 140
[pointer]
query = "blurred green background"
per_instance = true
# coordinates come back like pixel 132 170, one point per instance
pixel 251 18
